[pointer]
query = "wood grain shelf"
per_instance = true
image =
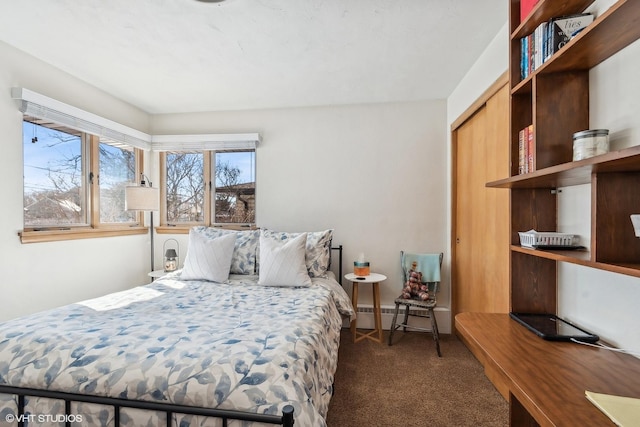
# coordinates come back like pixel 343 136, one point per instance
pixel 545 381
pixel 609 33
pixel 542 12
pixel 574 173
pixel 581 257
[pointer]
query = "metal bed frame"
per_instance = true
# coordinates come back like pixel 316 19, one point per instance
pixel 286 419
pixel 169 409
pixel 339 249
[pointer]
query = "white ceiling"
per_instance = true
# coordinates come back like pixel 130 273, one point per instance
pixel 171 56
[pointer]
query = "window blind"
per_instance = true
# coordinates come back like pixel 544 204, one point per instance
pixel 45 108
pixel 218 142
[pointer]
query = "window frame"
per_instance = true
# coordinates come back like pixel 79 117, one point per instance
pixel 209 195
pixel 95 187
pixel 206 169
pixel 91 176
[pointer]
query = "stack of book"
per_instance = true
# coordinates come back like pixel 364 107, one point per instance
pixel 526 150
pixel 548 38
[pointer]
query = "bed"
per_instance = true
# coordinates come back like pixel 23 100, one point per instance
pixel 259 347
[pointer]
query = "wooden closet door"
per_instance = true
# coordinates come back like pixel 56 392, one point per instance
pixel 480 279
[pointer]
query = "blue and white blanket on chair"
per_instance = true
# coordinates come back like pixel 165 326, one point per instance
pixel 427 264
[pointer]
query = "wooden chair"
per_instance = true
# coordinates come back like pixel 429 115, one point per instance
pixel 432 264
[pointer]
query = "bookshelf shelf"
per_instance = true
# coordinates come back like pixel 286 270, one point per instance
pixel 581 257
pixel 607 35
pixel 524 87
pixel 542 12
pixel 554 101
pixel 574 173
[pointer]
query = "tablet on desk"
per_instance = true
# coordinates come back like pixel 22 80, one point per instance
pixel 551 327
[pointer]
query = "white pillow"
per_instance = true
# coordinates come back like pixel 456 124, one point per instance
pixel 318 249
pixel 208 259
pixel 282 262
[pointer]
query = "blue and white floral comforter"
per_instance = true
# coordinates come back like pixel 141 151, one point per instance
pixel 230 346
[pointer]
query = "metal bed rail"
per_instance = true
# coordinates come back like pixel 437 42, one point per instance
pixel 286 419
pixel 339 249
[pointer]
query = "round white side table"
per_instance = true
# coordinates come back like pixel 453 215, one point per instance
pixel 156 274
pixel 374 279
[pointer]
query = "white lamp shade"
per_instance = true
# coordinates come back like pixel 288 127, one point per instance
pixel 141 199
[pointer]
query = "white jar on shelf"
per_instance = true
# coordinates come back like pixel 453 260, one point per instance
pixel 589 143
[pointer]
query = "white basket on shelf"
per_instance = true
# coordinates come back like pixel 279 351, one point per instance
pixel 535 239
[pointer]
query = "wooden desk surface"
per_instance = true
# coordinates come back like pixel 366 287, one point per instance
pixel 547 378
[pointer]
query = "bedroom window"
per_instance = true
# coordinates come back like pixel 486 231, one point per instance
pixel 213 187
pixel 184 188
pixel 54 184
pixel 74 183
pixel 234 200
pixel 117 165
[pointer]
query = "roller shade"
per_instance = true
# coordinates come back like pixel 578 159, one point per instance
pixel 229 141
pixel 45 108
pixel 42 107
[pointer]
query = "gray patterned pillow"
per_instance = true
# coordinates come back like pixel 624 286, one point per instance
pixel 317 251
pixel 245 251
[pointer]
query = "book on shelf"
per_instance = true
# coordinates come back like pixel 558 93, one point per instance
pixel 533 50
pixel 526 150
pixel 562 29
pixel 523 65
pixel 521 152
pixel 529 53
pixel 531 150
pixel 548 38
pixel 539 45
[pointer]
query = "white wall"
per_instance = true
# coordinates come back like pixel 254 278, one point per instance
pixel 43 275
pixel 376 174
pixel 482 74
pixel 603 302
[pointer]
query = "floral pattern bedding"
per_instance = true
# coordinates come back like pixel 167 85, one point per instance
pixel 235 345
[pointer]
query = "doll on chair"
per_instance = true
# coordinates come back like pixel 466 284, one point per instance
pixel 414 288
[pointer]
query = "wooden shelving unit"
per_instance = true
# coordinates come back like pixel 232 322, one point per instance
pixel 555 100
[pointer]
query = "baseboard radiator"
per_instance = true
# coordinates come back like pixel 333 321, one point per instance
pixel 366 319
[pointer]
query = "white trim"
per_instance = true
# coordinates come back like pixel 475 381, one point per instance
pixel 43 107
pixel 367 321
pixel 227 141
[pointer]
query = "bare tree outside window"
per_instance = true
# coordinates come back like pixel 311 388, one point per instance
pixel 185 187
pixel 189 200
pixel 57 174
pixel 53 177
pixel 117 170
